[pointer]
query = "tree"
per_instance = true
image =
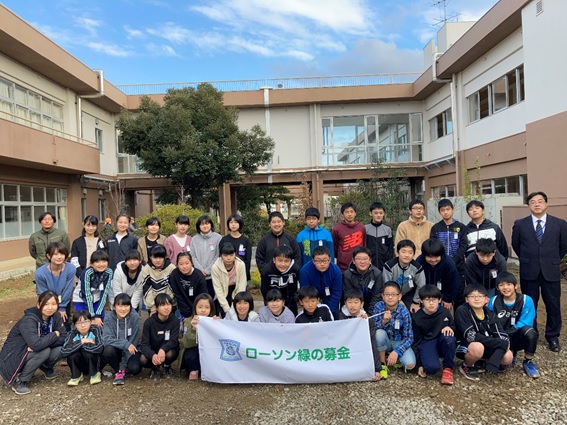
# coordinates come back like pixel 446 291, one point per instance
pixel 194 140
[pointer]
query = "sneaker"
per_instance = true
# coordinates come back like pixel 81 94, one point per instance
pixel 119 378
pixel 96 378
pixel 73 382
pixel 167 372
pixel 531 369
pixel 193 375
pixel 480 366
pixel 127 373
pixel 384 372
pixel 49 372
pixel 20 388
pixel 447 376
pixel 469 372
pixel 107 374
pixel 155 376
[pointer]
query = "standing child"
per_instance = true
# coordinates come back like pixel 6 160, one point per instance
pixel 516 314
pixel 229 277
pixel 186 283
pixel 347 235
pixel 121 242
pixel 434 335
pixel 205 249
pixel 313 312
pixel 394 332
pixel 281 273
pixel 379 236
pixel 241 243
pixel 190 363
pixel 275 311
pixel 242 309
pixel 480 335
pixel 83 348
pixel 155 277
pixel 84 246
pixel 160 345
pixel 120 335
pixel 416 228
pixel 92 290
pixel 151 239
pixel 127 278
pixel 276 237
pixel 180 241
pixel 314 235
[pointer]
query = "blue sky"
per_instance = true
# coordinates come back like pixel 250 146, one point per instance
pixel 157 41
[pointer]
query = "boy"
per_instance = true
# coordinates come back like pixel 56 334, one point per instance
pixel 281 273
pixel 308 298
pixel 393 330
pixel 481 228
pixel 275 238
pixel 364 276
pixel 480 335
pixel 155 277
pixel 439 270
pixel 516 314
pixel 379 237
pixel 406 272
pixel 325 276
pixel 434 336
pixel 314 235
pixel 347 235
pixel 416 228
pixel 484 265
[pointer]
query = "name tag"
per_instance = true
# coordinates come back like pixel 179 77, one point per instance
pixel 513 321
pixel 456 236
pixel 190 292
pixel 212 247
pixel 383 241
pixel 439 285
pixel 320 243
pixel 101 287
pixel 167 335
pixel 370 284
pixel 397 324
pixel 129 332
pixel 410 281
pixel 494 273
pixel 327 291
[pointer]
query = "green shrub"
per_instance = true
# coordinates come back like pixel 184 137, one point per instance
pixel 167 215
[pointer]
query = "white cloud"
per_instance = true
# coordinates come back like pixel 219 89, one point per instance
pixel 133 33
pixel 90 25
pixel 172 32
pixel 161 50
pixel 109 49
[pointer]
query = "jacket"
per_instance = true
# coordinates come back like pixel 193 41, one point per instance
pixel 321 314
pixel 515 316
pixel 477 273
pixel 346 237
pixel 156 282
pixel 117 250
pixel 453 238
pixel 269 242
pixel 287 283
pixel 205 251
pixel 121 333
pixel 79 253
pixel 380 242
pixel 472 329
pixel 329 284
pixel 309 239
pixel 92 288
pixel 410 279
pixel 185 288
pixel 221 281
pixel 173 248
pixel 122 284
pixel 370 283
pixel 243 248
pixel 266 316
pixel 400 315
pixel 143 247
pixel 61 285
pixel 444 275
pixel 231 314
pixel 73 342
pixel 159 334
pixel 486 230
pixel 415 232
pixel 39 240
pixel 27 333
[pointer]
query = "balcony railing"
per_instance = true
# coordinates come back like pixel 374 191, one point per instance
pixel 279 83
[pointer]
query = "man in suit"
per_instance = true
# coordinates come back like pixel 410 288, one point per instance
pixel 540 241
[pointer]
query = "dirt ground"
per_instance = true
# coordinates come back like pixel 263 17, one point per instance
pixel 495 399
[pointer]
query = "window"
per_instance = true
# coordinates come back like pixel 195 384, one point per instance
pixel 21 206
pixel 513 185
pixel 98 138
pixel 441 125
pixel 439 192
pixel 127 164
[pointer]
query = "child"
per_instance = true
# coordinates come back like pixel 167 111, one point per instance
pixel 186 283
pixel 229 277
pixel 314 235
pixel 58 276
pixel 313 311
pixel 483 266
pixel 379 236
pixel 416 228
pixel 482 228
pixel 242 309
pixel 283 274
pixel 275 310
pixel 121 242
pixel 434 335
pixel 127 278
pixel 364 276
pixel 120 336
pixel 160 345
pixel 406 272
pixel 205 249
pixel 277 237
pixel 86 244
pixel 93 287
pixel 155 277
pixel 190 363
pixel 347 235
pixel 241 243
pixel 180 241
pixel 480 335
pixel 152 238
pixel 516 314
pixel 325 276
pixel 394 332
pixel 82 349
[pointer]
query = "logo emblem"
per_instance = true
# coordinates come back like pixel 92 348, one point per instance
pixel 229 350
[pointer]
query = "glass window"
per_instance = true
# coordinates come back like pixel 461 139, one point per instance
pixel 348 131
pixel 521 81
pixel 5 89
pixel 451 191
pixel 500 185
pixel 416 135
pixel 435 193
pixel 12 223
pixel 486 187
pixel 38 194
pixel 21 95
pixel 474 107
pixel 26 220
pixel 512 88
pixel 484 103
pixel 50 192
pixel 499 94
pixel 98 138
pixel 513 185
pixel 448 121
pixel 25 193
pixel 10 193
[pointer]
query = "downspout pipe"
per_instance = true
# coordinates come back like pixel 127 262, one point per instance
pixel 436 79
pixel 100 74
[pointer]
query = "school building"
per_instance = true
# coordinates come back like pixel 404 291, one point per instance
pixel 491 99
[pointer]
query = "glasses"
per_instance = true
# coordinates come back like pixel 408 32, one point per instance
pixel 83 322
pixel 390 295
pixel 321 261
pixel 476 297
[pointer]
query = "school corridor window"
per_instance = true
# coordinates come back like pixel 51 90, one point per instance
pixel 441 125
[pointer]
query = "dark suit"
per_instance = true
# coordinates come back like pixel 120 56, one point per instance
pixel 539 266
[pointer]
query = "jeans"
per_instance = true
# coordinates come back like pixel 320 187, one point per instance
pixel 383 343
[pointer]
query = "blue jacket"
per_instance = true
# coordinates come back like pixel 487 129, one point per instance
pixel 309 239
pixel 330 282
pixel 454 241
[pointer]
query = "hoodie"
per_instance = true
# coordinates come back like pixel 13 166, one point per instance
pixel 205 251
pixel 417 232
pixel 329 284
pixel 309 239
pixel 269 242
pixel 486 230
pixel 444 275
pixel 370 283
pixel 121 333
pixel 186 287
pixel 346 237
pixel 477 273
pixel 287 282
pixel 380 242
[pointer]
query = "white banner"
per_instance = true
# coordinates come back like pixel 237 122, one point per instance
pixel 244 353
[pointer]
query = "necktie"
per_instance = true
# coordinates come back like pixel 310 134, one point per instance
pixel 539 231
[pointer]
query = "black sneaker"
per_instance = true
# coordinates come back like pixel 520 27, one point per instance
pixel 167 372
pixel 469 372
pixel 49 372
pixel 20 388
pixel 480 366
pixel 155 376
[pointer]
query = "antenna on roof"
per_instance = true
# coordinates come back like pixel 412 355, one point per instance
pixel 452 17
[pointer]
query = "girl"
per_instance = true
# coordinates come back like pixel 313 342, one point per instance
pixel 84 246
pixel 242 309
pixel 152 238
pixel 58 276
pixel 180 241
pixel 155 277
pixel 127 278
pixel 205 249
pixel 82 349
pixel 160 345
pixel 240 242
pixel 33 343
pixel 275 311
pixel 120 336
pixel 92 290
pixel 190 362
pixel 121 242
pixel 229 276
pixel 186 282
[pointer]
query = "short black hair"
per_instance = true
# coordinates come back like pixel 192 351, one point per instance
pixel 432 247
pixel 405 243
pixel 45 214
pixel 429 291
pixel 392 284
pixel 236 217
pixel 99 255
pixel 361 250
pixel 246 297
pixel 275 214
pixel 184 254
pixel 209 299
pixel 274 294
pixel 182 219
pixel 153 220
pixel 531 195
pixel 485 246
pixel 158 251
pixel 133 254
pixel 90 219
pixel 204 219
pixel 307 292
pixel 321 250
pixel 347 205
pixel 444 203
pixel 163 299
pixel 376 206
pixel 81 314
pixel 227 249
pixel 312 212
pixel 474 203
pixel 469 289
pixel 122 299
pixel 283 251
pixel 354 294
pixel 506 277
pixel 416 202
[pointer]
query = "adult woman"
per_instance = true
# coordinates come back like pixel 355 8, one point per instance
pixel 33 343
pixel 86 244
